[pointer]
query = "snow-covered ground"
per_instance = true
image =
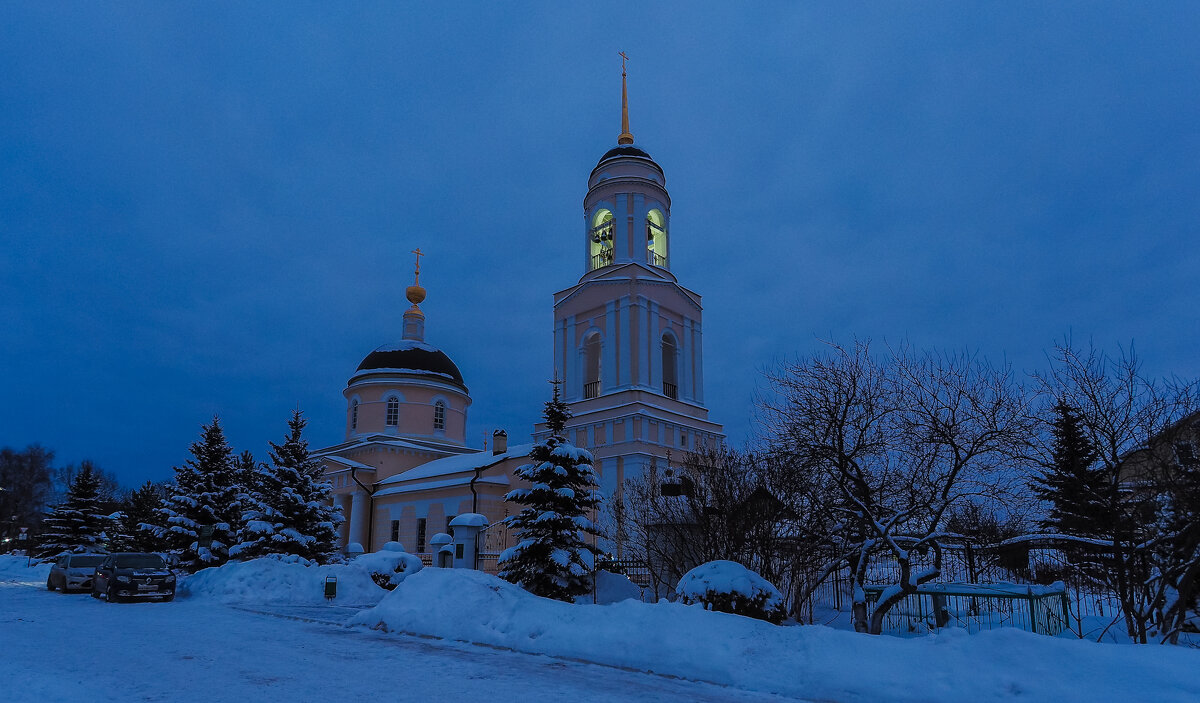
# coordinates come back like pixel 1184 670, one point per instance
pixel 200 648
pixel 56 647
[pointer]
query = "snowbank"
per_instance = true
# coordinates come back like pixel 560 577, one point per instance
pixel 612 588
pixel 812 662
pixel 270 581
pixel 14 569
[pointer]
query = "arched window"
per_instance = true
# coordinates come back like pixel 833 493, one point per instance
pixel 354 414
pixel 670 353
pixel 600 239
pixel 393 411
pixel 591 365
pixel 439 415
pixel 656 238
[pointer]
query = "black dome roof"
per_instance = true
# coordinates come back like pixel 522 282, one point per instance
pixel 626 150
pixel 412 357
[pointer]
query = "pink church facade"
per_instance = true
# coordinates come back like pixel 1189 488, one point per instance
pixel 627 346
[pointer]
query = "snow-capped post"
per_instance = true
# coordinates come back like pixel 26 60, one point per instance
pixel 552 557
pixel 443 553
pixel 466 528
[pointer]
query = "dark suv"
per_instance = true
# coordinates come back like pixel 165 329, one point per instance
pixel 134 575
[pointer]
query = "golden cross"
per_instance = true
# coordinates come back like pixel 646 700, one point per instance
pixel 417 271
pixel 624 58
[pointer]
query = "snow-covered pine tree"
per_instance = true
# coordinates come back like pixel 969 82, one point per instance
pixel 553 558
pixel 1080 493
pixel 291 510
pixel 75 525
pixel 205 495
pixel 136 530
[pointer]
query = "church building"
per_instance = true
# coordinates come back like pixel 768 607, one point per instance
pixel 627 347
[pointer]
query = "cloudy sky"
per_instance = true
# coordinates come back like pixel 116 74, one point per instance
pixel 208 208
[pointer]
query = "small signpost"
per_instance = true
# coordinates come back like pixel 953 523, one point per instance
pixel 330 587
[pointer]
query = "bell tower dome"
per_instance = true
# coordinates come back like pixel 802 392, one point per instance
pixel 627 209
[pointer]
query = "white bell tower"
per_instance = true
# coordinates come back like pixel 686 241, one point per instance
pixel 627 336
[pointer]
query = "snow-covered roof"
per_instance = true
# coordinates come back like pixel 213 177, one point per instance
pixel 406 345
pixel 399 443
pixel 457 464
pixel 444 483
pixel 348 462
pixel 408 372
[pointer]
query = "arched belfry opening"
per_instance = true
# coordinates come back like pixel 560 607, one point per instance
pixel 670 366
pixel 591 365
pixel 600 238
pixel 656 238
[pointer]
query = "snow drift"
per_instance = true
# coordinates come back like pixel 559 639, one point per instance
pixel 808 661
pixel 275 581
pixel 14 568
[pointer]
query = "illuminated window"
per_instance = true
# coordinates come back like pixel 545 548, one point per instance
pixel 354 414
pixel 591 365
pixel 669 375
pixel 656 238
pixel 393 411
pixel 600 239
pixel 439 415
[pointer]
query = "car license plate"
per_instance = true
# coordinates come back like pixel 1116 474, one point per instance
pixel 147 587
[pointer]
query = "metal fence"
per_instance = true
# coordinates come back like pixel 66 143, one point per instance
pixel 1085 606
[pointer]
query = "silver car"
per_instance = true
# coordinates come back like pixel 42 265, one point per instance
pixel 73 572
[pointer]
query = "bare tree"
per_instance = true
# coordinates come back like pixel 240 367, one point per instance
pixel 1146 498
pixel 716 504
pixel 26 486
pixel 903 437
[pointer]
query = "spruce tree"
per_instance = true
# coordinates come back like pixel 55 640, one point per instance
pixel 291 510
pixel 75 525
pixel 1079 491
pixel 204 499
pixel 553 558
pixel 138 527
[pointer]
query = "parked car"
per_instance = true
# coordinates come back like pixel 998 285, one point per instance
pixel 73 572
pixel 133 575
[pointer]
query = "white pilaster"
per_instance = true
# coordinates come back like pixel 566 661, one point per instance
pixel 360 517
pixel 626 323
pixel 608 376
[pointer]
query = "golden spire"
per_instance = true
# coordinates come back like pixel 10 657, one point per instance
pixel 415 293
pixel 625 137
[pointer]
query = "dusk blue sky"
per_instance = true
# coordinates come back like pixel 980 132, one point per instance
pixel 209 208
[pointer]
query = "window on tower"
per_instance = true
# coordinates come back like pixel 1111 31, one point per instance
pixel 600 239
pixel 656 238
pixel 670 353
pixel 439 415
pixel 591 365
pixel 393 411
pixel 354 414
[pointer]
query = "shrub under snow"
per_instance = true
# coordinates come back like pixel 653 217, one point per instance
pixel 729 587
pixel 389 567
